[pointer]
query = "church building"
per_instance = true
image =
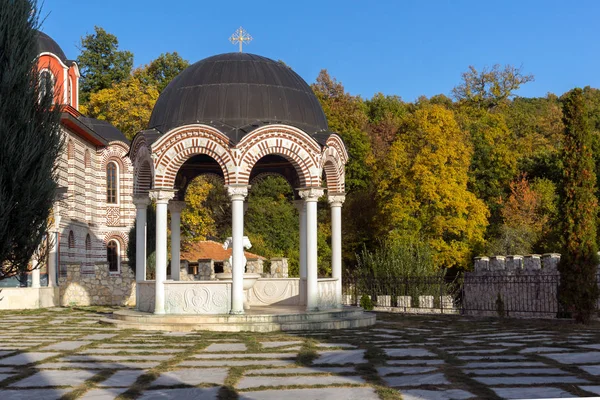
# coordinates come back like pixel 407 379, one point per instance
pixel 93 212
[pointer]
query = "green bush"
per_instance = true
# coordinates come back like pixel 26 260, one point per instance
pixel 366 302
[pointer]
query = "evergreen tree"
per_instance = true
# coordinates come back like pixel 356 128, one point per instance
pixel 101 64
pixel 31 140
pixel 578 290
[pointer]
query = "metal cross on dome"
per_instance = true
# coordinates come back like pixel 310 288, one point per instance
pixel 240 36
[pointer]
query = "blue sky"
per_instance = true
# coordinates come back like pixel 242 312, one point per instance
pixel 406 48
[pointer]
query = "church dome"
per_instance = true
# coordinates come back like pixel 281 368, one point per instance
pixel 237 93
pixel 45 44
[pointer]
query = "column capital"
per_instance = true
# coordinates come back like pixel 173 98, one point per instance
pixel 237 192
pixel 141 201
pixel 176 206
pixel 310 193
pixel 336 199
pixel 162 196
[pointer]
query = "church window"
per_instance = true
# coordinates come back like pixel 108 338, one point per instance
pixel 70 91
pixel 111 183
pixel 112 256
pixel 70 150
pixel 46 83
pixel 71 240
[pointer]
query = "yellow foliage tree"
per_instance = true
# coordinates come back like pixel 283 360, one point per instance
pixel 196 219
pixel 423 191
pixel 127 105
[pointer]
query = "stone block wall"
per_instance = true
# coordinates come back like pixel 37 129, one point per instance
pixel 100 288
pixel 514 285
pixel 279 268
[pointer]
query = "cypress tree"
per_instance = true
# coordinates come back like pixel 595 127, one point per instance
pixel 578 290
pixel 31 140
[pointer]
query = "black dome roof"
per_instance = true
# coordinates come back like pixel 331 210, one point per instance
pixel 236 93
pixel 47 45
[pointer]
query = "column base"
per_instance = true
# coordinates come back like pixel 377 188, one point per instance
pixel 236 312
pixel 159 313
pixel 312 309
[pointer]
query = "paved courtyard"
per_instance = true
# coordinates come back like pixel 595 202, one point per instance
pixel 65 353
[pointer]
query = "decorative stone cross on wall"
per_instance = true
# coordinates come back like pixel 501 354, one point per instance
pixel 240 36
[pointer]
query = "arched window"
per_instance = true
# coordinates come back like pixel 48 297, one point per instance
pixel 87 159
pixel 70 150
pixel 70 91
pixel 46 83
pixel 71 240
pixel 112 183
pixel 112 255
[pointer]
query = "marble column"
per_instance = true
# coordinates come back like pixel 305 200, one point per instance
pixel 162 198
pixel 176 207
pixel 335 201
pixel 141 205
pixel 35 273
pixel 52 259
pixel 311 197
pixel 301 206
pixel 237 194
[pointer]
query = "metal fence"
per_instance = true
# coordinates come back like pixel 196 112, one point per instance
pixel 533 295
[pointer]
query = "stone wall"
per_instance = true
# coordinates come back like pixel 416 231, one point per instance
pixel 514 286
pixel 99 288
pixel 279 268
pixel 206 269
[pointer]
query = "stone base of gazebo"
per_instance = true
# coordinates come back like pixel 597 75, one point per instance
pixel 257 319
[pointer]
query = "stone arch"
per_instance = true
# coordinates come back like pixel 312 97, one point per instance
pixel 173 149
pixel 334 159
pixel 143 178
pixel 297 147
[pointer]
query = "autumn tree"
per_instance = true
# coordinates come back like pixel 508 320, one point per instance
pixel 127 105
pixel 423 192
pixel 196 219
pixel 490 87
pixel 162 70
pixel 31 139
pixel 100 63
pixel 578 290
pixel 524 220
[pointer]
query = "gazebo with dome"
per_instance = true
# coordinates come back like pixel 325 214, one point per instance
pixel 239 116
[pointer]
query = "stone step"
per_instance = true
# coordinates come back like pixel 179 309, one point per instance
pixel 131 316
pixel 366 319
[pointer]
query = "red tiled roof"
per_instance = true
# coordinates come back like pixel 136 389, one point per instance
pixel 210 250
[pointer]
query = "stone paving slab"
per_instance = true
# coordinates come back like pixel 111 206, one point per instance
pixel 531 393
pixel 129 350
pixel 529 380
pixel 300 371
pixel 575 358
pixel 55 378
pixel 542 350
pixel 516 371
pixel 258 381
pixel 26 358
pixel 235 363
pixel 408 353
pixel 415 362
pixel 45 394
pixel 100 365
pixel 181 394
pixel 245 355
pixel 591 369
pixel 416 380
pixel 592 389
pixel 507 364
pixel 123 378
pixel 102 394
pixel 382 371
pixel 117 358
pixel 341 357
pixel 225 347
pixel 71 345
pixel 99 336
pixel 271 345
pixel 341 393
pixel 451 394
pixel 192 377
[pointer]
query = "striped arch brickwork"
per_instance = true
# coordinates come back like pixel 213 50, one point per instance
pixel 334 160
pixel 177 146
pixel 174 148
